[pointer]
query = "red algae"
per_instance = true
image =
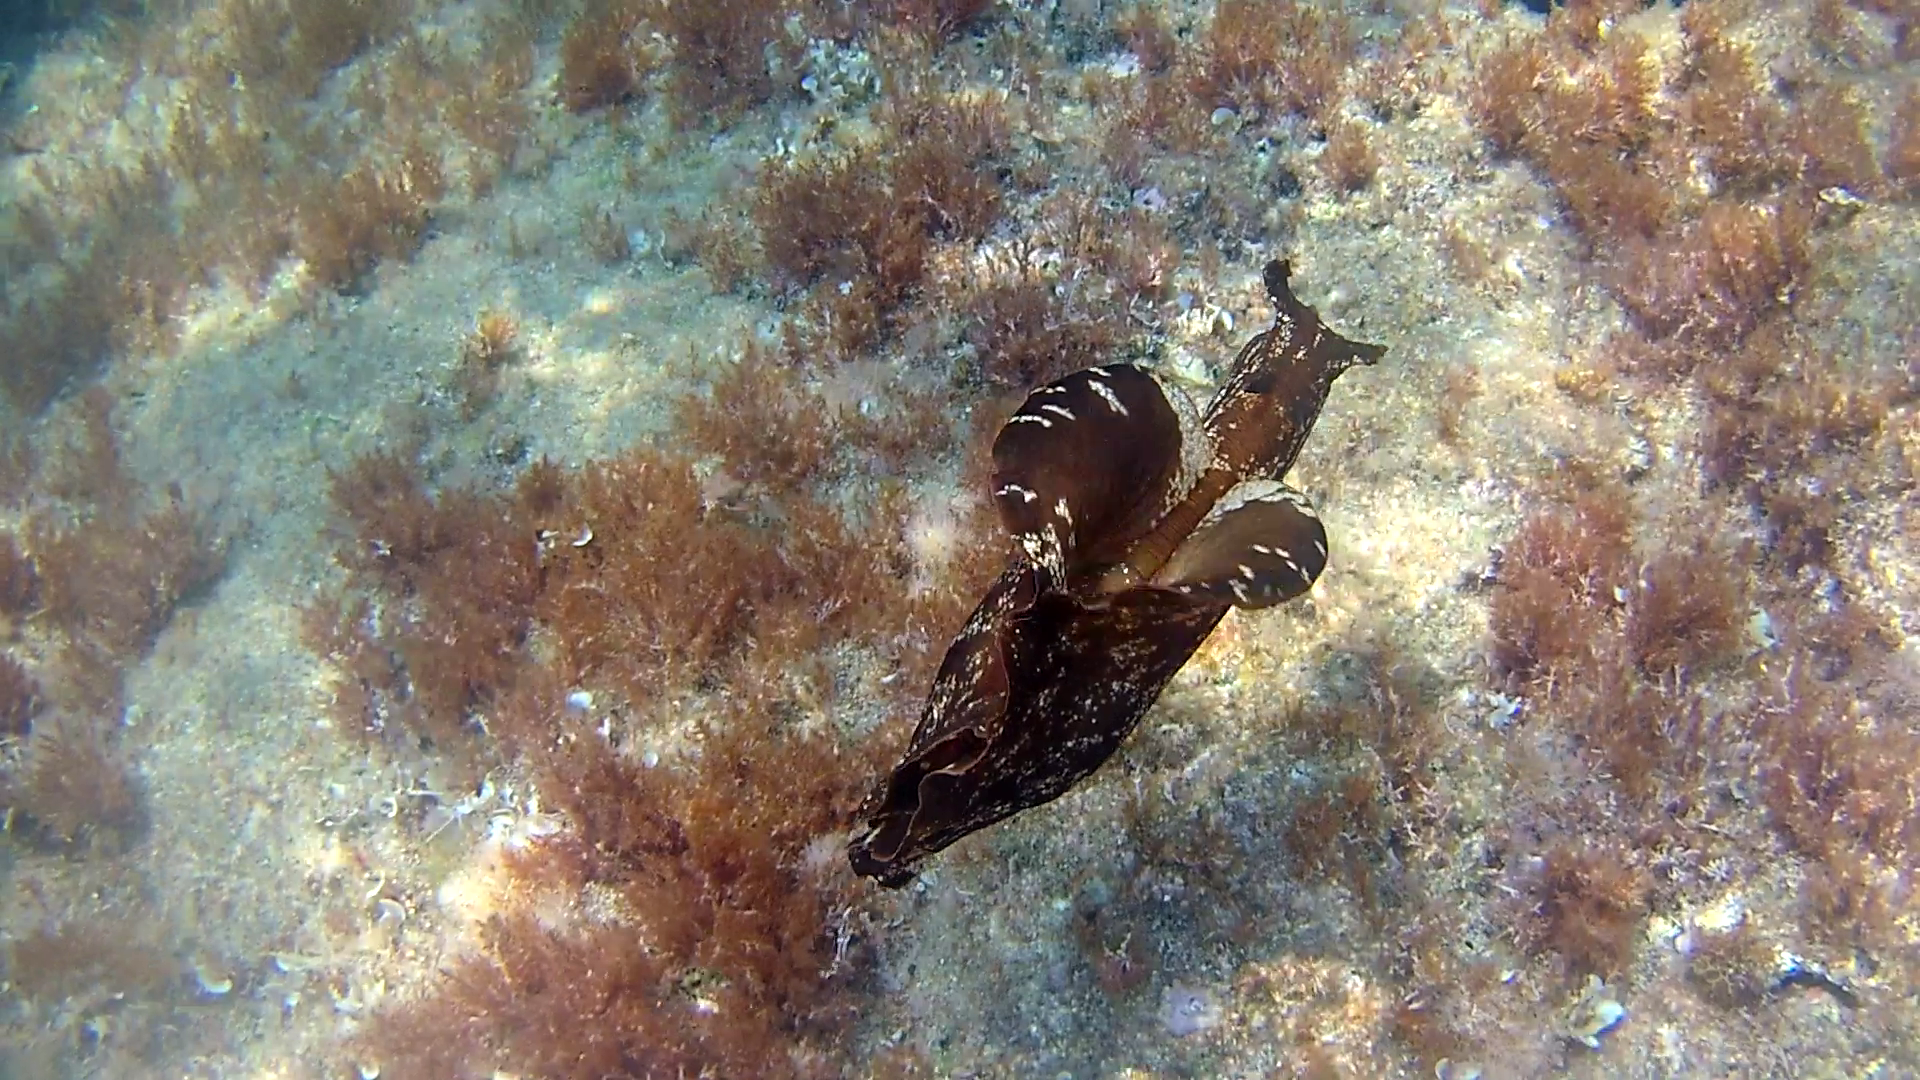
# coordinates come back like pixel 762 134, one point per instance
pixel 1590 753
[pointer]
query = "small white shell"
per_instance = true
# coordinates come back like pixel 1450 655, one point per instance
pixel 1606 1015
pixel 210 984
pixel 1188 1010
pixel 389 912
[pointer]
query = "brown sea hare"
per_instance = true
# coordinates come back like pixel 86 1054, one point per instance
pixel 1136 527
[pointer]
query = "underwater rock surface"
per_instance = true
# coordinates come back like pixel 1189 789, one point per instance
pixel 486 488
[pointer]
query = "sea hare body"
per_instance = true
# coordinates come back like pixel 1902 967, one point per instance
pixel 1136 527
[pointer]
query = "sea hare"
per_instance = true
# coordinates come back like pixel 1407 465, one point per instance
pixel 1136 526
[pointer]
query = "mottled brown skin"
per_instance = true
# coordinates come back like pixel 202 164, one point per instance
pixel 1062 657
pixel 1064 685
pixel 1262 414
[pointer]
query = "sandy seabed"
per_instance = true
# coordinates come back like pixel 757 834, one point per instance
pixel 295 879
